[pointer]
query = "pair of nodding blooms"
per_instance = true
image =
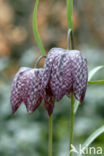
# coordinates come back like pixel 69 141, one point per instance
pixel 64 72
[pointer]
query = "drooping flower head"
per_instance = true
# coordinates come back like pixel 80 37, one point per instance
pixel 27 87
pixel 66 71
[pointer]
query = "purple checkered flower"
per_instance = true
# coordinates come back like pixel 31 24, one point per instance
pixel 66 71
pixel 27 87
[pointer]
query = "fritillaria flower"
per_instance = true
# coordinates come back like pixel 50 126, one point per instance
pixel 27 88
pixel 66 71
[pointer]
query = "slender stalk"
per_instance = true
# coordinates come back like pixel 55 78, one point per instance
pixel 96 82
pixel 35 29
pixel 50 135
pixel 71 123
pixel 69 13
pixel 70 36
pixel 39 59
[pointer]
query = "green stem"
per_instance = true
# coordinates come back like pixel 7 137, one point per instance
pixel 35 29
pixel 70 14
pixel 50 135
pixel 70 36
pixel 96 82
pixel 71 122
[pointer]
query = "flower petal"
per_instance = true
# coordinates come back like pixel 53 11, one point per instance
pixel 66 71
pixel 79 74
pixel 32 91
pixel 15 98
pixel 57 82
pixel 66 74
pixel 49 64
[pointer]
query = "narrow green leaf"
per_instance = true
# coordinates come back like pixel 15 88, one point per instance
pixel 94 71
pixel 70 13
pixel 92 137
pixel 35 29
pixel 96 82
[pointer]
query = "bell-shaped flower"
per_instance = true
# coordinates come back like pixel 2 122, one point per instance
pixel 49 63
pixel 66 72
pixel 27 87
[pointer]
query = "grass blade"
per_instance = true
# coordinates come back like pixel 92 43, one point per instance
pixel 70 14
pixel 94 71
pixel 93 136
pixel 35 29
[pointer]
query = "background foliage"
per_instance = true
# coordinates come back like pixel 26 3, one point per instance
pixel 23 134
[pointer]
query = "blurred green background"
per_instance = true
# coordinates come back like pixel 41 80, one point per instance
pixel 22 134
